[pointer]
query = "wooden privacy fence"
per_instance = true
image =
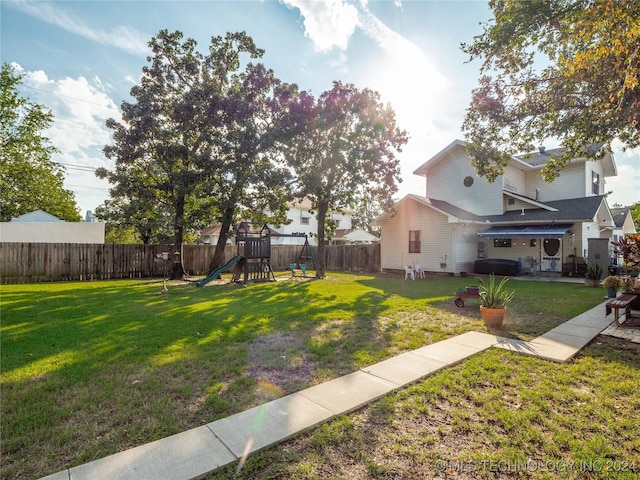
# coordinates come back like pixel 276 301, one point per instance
pixel 43 262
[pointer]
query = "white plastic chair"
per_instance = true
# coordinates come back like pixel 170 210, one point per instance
pixel 418 271
pixel 408 272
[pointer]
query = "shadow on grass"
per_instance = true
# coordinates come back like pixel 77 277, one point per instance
pixel 93 368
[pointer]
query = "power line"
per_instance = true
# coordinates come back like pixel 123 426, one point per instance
pixel 67 96
pixel 83 168
pixel 86 186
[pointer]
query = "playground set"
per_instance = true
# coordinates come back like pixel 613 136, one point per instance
pixel 253 257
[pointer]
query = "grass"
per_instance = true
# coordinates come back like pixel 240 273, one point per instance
pixel 496 415
pixel 89 369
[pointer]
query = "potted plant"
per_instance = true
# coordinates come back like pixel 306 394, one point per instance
pixel 627 284
pixel 594 274
pixel 494 299
pixel 613 284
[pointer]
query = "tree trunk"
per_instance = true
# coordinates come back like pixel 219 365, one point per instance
pixel 323 206
pixel 218 255
pixel 177 271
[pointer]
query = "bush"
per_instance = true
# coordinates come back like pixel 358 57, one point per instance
pixel 613 282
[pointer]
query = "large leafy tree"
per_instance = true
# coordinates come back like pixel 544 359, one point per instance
pixel 29 179
pixel 561 69
pixel 200 137
pixel 347 153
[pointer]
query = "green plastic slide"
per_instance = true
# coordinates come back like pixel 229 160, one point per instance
pixel 216 273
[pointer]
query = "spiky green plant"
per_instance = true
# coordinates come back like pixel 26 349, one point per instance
pixel 494 294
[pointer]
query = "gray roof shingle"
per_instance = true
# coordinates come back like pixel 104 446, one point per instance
pixel 570 210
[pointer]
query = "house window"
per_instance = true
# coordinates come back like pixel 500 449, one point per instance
pixel 501 242
pixel 337 223
pixel 304 220
pixel 414 241
pixel 595 183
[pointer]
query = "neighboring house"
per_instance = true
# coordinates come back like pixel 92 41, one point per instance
pixel 210 235
pixel 623 221
pixel 463 218
pixel 302 221
pixel 42 227
pixel 348 236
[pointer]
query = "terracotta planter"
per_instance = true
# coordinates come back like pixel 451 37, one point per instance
pixel 492 317
pixel 590 282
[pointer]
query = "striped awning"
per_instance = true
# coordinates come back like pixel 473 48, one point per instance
pixel 526 231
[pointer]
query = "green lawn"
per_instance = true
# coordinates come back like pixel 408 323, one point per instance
pixel 89 369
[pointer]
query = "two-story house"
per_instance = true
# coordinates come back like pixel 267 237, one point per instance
pixel 463 218
pixel 302 220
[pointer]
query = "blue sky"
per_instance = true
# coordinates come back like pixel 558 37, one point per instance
pixel 81 58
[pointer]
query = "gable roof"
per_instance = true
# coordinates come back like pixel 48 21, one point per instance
pixel 440 206
pixel 354 235
pixel 620 215
pixel 433 161
pixel 525 161
pixel 37 216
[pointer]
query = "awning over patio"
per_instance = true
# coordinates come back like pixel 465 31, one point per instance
pixel 526 231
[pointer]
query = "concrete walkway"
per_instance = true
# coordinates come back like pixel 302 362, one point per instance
pixel 202 450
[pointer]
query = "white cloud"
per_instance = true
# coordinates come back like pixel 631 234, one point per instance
pixel 122 37
pixel 402 73
pixel 328 24
pixel 626 185
pixel 80 108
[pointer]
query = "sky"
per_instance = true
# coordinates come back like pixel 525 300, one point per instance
pixel 81 58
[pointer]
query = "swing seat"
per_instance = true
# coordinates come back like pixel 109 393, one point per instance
pixel 302 270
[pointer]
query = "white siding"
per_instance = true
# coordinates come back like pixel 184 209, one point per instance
pixel 592 230
pixel 445 182
pixel 570 184
pixel 517 204
pixel 344 219
pixel 513 180
pixel 591 167
pixel 466 249
pixel 436 236
pixel 296 214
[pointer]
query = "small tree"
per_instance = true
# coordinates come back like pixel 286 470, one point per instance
pixel 348 147
pixel 29 180
pixel 629 248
